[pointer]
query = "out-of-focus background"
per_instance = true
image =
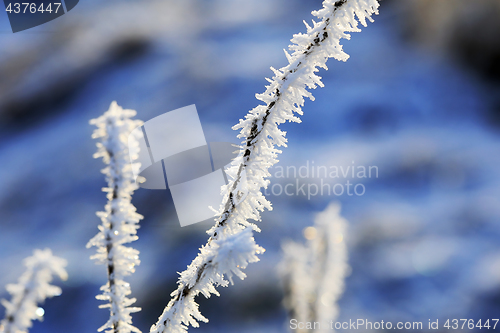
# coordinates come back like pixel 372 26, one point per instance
pixel 419 99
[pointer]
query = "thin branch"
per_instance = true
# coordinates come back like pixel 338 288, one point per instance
pixel 260 132
pixel 119 220
pixel 313 275
pixel 32 288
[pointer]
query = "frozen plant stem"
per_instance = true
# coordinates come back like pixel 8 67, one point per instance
pixel 119 220
pixel 313 275
pixel 32 288
pixel 330 267
pixel 260 133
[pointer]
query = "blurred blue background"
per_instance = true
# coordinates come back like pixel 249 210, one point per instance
pixel 419 98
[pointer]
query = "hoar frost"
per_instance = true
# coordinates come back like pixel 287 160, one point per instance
pixel 119 220
pixel 259 130
pixel 32 289
pixel 313 274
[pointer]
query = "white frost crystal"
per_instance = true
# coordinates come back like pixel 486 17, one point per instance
pixel 32 289
pixel 119 220
pixel 260 133
pixel 314 274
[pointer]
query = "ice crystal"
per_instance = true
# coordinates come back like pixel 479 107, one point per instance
pixel 33 288
pixel 259 130
pixel 119 219
pixel 314 274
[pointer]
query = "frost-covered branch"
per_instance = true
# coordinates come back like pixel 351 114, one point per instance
pixel 293 270
pixel 330 265
pixel 314 274
pixel 260 133
pixel 119 219
pixel 33 287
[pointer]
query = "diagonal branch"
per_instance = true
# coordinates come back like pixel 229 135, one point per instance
pixel 259 122
pixel 283 97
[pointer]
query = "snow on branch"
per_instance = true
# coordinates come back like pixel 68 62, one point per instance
pixel 313 275
pixel 295 277
pixel 119 219
pixel 33 287
pixel 260 133
pixel 330 266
